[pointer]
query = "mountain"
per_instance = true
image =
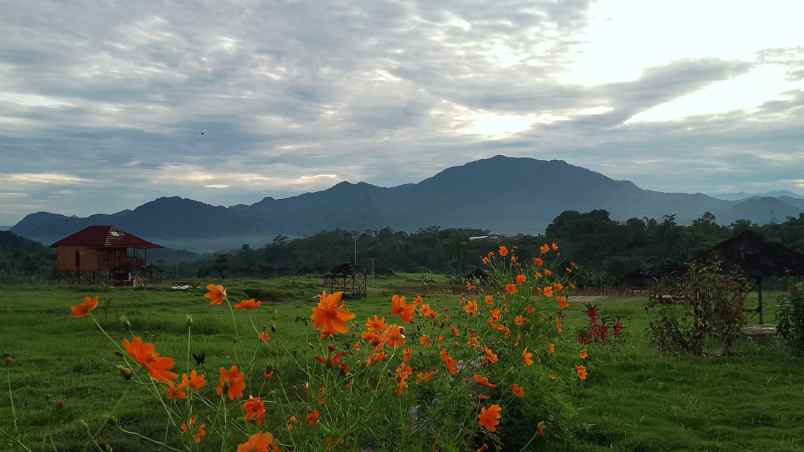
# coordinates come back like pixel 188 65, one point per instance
pixel 503 194
pixel 772 194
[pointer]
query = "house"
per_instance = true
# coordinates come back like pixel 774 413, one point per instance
pixel 104 254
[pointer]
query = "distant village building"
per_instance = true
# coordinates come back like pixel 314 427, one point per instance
pixel 105 254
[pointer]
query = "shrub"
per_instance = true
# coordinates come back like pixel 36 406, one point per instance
pixel 480 373
pixel 702 309
pixel 790 323
pixel 599 330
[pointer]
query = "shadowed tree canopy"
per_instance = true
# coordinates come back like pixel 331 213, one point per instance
pixel 750 254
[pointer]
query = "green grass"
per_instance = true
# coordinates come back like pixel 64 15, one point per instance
pixel 636 399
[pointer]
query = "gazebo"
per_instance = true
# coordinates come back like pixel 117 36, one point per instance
pixel 104 253
pixel 347 279
pixel 751 255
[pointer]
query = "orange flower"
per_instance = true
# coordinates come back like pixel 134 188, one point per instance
pixel 268 373
pixel 470 307
pixel 510 288
pixel 520 320
pixel 418 300
pixel 177 392
pixel 248 304
pixel 544 249
pixel 538 261
pixel 563 303
pixel 259 442
pixel 559 328
pixel 394 336
pixel 254 410
pixel 426 311
pixel 485 260
pixel 581 371
pixel 200 434
pixel 548 291
pixel 489 356
pixel 144 353
pixel 233 381
pixel 424 377
pixel 551 348
pixel 405 311
pixel 449 362
pixel 527 357
pixel 425 341
pixel 520 278
pixel 495 314
pixel 518 391
pixel 483 381
pixel 375 324
pixel 530 309
pixel 196 381
pixel 215 294
pixel 488 299
pixel 454 330
pixel 489 417
pixel 264 337
pixel 312 417
pixel 376 357
pixel 474 340
pixel 548 273
pixel 557 286
pixel 554 246
pixel 330 316
pixel 584 355
pixel 403 372
pixel 83 309
pixel 407 354
pixel 503 250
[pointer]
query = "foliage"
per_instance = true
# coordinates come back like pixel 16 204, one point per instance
pixel 703 308
pixel 790 316
pixel 599 329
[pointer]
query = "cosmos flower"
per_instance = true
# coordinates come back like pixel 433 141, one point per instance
pixel 489 417
pixel 83 309
pixel 330 315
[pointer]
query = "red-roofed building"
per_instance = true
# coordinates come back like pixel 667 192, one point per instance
pixel 105 251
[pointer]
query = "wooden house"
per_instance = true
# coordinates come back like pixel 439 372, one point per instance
pixel 104 254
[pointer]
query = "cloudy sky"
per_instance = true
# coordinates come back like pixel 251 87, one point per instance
pixel 105 105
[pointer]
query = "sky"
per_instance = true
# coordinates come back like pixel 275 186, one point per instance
pixel 105 105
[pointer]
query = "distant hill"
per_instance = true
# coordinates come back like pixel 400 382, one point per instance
pixel 22 257
pixel 503 194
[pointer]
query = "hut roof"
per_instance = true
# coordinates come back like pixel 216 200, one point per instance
pixel 105 237
pixel 754 256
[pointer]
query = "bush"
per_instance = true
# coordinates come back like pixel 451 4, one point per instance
pixel 702 309
pixel 790 316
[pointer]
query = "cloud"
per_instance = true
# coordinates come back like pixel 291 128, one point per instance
pixel 227 102
pixel 42 178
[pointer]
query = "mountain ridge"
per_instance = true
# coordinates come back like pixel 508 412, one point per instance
pixel 504 194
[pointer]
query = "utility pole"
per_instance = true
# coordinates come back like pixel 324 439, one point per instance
pixel 355 237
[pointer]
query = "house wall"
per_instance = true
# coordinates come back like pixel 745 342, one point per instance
pixel 66 259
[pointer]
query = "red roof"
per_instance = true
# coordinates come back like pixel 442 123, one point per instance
pixel 104 237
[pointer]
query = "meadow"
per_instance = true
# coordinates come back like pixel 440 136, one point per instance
pixel 68 393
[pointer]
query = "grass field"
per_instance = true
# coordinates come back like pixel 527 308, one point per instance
pixel 64 381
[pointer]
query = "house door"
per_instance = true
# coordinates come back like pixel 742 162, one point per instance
pixel 77 260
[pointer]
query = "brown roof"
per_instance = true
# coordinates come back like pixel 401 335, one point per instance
pixel 104 237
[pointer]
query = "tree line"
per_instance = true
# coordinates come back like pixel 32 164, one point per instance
pixel 607 250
